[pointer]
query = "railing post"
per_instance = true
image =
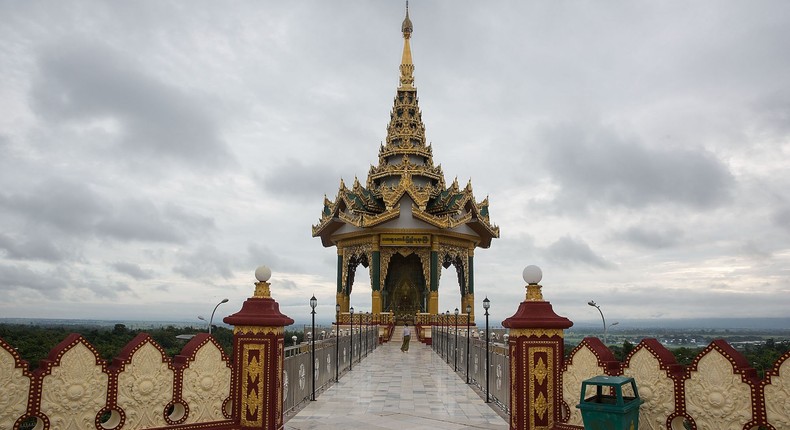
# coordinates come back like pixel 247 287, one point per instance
pixel 536 351
pixel 258 354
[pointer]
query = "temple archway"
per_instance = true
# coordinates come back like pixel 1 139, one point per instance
pixel 404 292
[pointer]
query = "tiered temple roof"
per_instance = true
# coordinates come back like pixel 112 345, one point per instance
pixel 406 168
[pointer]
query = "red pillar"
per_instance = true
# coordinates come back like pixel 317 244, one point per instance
pixel 536 352
pixel 257 385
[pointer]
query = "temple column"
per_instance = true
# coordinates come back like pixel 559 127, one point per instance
pixel 536 351
pixel 433 298
pixel 375 279
pixel 257 382
pixel 341 296
pixel 469 297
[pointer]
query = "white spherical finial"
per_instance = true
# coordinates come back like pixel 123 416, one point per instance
pixel 263 273
pixel 532 274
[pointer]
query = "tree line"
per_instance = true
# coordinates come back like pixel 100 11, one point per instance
pixel 33 343
pixel 761 357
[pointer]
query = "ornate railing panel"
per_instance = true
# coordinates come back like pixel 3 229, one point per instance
pixel 14 385
pixel 499 375
pixel 777 393
pixel 144 388
pixel 297 386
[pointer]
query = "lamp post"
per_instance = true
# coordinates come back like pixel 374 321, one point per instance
pixel 200 317
pixel 444 334
pixel 293 338
pixel 211 320
pixel 610 326
pixel 592 303
pixel 367 331
pixel 313 303
pixel 486 305
pixel 455 355
pixel 359 330
pixel 447 338
pixel 351 353
pixel 337 342
pixel 468 325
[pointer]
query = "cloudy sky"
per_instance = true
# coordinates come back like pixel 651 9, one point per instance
pixel 153 153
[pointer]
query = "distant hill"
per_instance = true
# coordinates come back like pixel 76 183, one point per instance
pixel 130 324
pixel 683 323
pixel 696 323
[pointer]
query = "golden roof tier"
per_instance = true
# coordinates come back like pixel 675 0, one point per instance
pixel 405 168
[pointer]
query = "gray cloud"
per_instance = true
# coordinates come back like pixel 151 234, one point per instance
pixel 781 218
pixel 67 205
pixel 22 276
pixel 286 284
pixel 651 238
pixel 31 248
pixel 204 263
pixel 261 254
pixel 75 208
pixel 570 251
pixel 132 270
pixel 598 165
pixel 80 82
pixel 140 220
pixel 295 179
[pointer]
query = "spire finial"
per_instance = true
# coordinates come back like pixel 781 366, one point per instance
pixel 406 66
pixel 407 28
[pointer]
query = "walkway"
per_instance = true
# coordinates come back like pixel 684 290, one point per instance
pixel 394 390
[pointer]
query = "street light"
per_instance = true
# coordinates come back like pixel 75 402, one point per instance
pixel 367 331
pixel 337 342
pixel 447 338
pixel 455 355
pixel 351 353
pixel 313 303
pixel 441 339
pixel 359 330
pixel 592 303
pixel 200 317
pixel 211 320
pixel 486 305
pixel 468 325
pixel 612 325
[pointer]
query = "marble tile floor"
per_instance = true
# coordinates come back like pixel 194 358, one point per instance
pixel 395 390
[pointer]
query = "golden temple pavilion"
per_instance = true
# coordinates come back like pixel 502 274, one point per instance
pixel 405 223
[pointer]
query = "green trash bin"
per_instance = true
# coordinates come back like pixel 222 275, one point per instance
pixel 608 409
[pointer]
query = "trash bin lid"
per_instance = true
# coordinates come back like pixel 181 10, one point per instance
pixel 609 381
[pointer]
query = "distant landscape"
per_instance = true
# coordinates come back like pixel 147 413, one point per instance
pixel 772 324
pixel 761 340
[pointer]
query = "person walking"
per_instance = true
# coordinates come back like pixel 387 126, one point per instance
pixel 406 338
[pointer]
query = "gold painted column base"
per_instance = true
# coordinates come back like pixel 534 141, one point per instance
pixel 469 299
pixel 343 301
pixel 433 303
pixel 375 302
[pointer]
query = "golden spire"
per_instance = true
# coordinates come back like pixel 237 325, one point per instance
pixel 406 66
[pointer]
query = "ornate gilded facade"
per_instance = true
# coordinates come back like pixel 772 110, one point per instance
pixel 405 223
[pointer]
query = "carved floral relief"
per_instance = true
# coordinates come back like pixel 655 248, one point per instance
pixel 74 391
pixel 716 397
pixel 777 398
pixel 145 387
pixel 584 366
pixel 206 384
pixel 656 389
pixel 12 380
